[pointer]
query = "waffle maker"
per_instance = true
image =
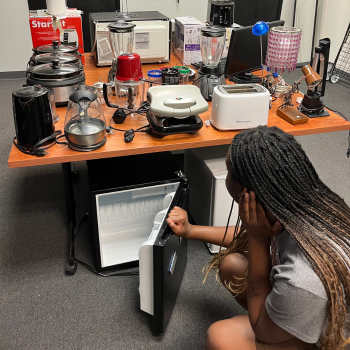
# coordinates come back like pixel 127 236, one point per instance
pixel 174 109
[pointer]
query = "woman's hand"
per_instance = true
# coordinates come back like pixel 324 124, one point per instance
pixel 178 222
pixel 254 219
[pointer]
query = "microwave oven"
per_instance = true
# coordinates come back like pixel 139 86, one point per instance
pixel 130 200
pixel 152 36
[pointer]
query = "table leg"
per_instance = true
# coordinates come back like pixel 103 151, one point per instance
pixel 71 266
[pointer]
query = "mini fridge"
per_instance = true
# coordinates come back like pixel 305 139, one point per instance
pixel 130 201
pixel 209 200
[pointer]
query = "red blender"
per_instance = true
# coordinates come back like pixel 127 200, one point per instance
pixel 129 89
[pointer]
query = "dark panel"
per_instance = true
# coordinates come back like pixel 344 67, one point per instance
pixel 86 6
pixel 248 12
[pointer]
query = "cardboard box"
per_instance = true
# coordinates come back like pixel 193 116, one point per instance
pixel 43 32
pixel 187 39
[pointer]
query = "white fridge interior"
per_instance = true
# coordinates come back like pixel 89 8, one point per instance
pixel 127 219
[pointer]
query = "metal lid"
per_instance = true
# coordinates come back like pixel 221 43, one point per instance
pixel 213 31
pixel 55 70
pixel 30 91
pixel 62 57
pixel 56 47
pixel 121 27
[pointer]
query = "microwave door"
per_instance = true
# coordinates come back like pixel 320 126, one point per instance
pixel 162 264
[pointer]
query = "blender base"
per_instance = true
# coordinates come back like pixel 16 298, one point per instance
pixel 207 78
pixel 78 148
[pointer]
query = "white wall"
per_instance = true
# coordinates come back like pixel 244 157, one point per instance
pixel 333 22
pixel 287 12
pixel 172 8
pixel 15 38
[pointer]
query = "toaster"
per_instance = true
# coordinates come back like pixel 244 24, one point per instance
pixel 242 106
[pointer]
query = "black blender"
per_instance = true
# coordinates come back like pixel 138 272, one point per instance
pixel 210 74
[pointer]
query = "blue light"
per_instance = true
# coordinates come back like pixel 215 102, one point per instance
pixel 260 28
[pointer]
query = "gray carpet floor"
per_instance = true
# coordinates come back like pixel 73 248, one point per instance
pixel 42 308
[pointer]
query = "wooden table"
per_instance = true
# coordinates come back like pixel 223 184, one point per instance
pixel 143 143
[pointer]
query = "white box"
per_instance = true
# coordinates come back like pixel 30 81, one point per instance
pixel 209 200
pixel 187 39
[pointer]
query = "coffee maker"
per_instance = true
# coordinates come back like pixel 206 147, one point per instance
pixel 220 12
pixel 210 74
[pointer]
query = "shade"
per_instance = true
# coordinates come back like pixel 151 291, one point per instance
pixel 311 77
pixel 283 48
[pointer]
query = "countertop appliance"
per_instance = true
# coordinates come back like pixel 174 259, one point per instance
pixel 152 36
pixel 33 116
pixel 210 74
pixel 209 200
pixel 85 123
pixel 242 106
pixel 174 109
pixel 131 197
pixel 62 78
pixel 221 12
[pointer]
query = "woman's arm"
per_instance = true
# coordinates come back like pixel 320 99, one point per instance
pixel 259 286
pixel 178 222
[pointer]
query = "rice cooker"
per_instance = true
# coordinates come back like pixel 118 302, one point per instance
pixel 62 78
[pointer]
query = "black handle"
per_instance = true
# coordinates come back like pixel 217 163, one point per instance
pixel 182 198
pixel 55 63
pixel 105 95
pixel 55 44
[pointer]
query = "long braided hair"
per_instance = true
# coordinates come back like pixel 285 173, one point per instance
pixel 273 165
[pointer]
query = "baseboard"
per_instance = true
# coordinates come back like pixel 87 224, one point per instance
pixel 302 64
pixel 12 75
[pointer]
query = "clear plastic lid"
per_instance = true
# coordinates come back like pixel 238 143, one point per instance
pixel 55 69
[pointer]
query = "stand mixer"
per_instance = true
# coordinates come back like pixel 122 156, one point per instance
pixel 210 74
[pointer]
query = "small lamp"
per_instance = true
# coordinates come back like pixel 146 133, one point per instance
pixel 282 53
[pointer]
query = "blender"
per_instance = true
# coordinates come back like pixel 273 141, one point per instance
pixel 129 88
pixel 210 74
pixel 121 37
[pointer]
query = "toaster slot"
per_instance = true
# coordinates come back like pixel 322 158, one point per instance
pixel 237 89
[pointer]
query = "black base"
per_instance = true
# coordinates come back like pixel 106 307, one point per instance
pixel 75 147
pixel 310 114
pixel 163 126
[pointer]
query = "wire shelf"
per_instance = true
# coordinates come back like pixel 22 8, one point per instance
pixel 341 67
pixel 131 209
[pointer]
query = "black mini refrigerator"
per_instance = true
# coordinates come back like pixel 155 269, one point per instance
pixel 130 201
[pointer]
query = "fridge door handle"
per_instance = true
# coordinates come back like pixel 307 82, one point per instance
pixel 172 263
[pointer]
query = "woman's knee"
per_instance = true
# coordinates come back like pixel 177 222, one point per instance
pixel 233 265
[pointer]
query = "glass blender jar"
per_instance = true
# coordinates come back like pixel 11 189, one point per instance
pixel 121 37
pixel 210 74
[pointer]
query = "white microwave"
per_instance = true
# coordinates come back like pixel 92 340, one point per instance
pixel 152 38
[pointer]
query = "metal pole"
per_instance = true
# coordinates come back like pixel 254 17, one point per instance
pixel 314 32
pixel 261 57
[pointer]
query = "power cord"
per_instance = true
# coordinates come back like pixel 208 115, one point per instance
pixel 343 116
pixel 113 274
pixel 38 151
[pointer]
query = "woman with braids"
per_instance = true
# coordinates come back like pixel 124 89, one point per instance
pixel 288 257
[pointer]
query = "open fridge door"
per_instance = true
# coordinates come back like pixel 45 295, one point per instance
pixel 162 261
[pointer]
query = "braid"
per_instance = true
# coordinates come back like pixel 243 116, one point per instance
pixel 273 165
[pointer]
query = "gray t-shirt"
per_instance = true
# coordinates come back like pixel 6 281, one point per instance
pixel 298 300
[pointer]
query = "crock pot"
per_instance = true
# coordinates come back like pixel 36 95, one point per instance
pixel 55 47
pixel 62 78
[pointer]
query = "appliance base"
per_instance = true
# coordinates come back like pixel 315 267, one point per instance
pixel 78 148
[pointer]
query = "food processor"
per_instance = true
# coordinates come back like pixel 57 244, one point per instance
pixel 210 74
pixel 121 37
pixel 85 124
